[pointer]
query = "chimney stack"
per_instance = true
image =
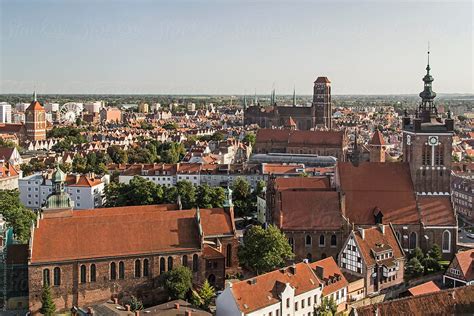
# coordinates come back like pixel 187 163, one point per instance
pixel 127 307
pixel 320 272
pixel 362 232
pixel 382 228
pixel 187 313
pixel 176 305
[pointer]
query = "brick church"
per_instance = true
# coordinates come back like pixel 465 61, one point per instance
pixel 90 256
pixel 412 195
pixel 318 115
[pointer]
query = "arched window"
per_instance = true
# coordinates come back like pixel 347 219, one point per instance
pixel 446 243
pixel 228 255
pixel 413 241
pixel 185 260
pixel 46 277
pixel 321 240
pixel 83 277
pixel 113 271
pixel 121 270
pixel 145 267
pixel 333 240
pixel 170 263
pixel 195 263
pixel 138 268
pixel 162 265
pixel 57 276
pixel 93 273
pixel 308 240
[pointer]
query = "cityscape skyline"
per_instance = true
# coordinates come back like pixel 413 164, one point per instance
pixel 225 48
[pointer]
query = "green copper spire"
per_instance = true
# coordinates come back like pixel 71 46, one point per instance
pixel 245 102
pixel 427 108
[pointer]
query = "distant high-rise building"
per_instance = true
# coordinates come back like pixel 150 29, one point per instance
pixel 5 112
pixel 35 120
pixel 427 143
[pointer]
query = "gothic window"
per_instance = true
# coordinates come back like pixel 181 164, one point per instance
pixel 113 271
pixel 308 240
pixel 57 276
pixel 145 267
pixel 121 270
pixel 291 241
pixel 138 268
pixel 46 277
pixel 439 159
pixel 333 240
pixel 321 240
pixel 162 265
pixel 170 263
pixel 93 273
pixel 83 277
pixel 426 155
pixel 446 242
pixel 228 255
pixel 413 241
pixel 185 260
pixel 195 263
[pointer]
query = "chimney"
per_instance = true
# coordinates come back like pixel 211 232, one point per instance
pixel 137 313
pixel 176 305
pixel 320 272
pixel 382 228
pixel 362 232
pixel 127 307
pixel 90 311
pixel 292 269
pixel 187 313
pixel 115 299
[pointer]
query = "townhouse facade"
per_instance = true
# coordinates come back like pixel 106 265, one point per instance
pixel 460 271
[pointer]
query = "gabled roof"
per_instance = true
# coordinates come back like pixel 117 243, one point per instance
pixel 35 106
pixel 302 183
pixel 465 261
pixel 322 80
pixel 370 185
pixel 377 139
pixel 332 278
pixel 376 241
pixel 264 290
pixel 143 230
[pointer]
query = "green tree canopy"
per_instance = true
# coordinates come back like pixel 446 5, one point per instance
pixel 117 154
pixel 206 293
pixel 264 250
pixel 178 282
pixel 244 203
pixel 435 252
pixel 328 307
pixel 16 214
pixel 250 138
pixel 187 192
pixel 414 267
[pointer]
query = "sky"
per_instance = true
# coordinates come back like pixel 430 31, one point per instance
pixel 234 47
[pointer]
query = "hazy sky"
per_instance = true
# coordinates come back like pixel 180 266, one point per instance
pixel 222 47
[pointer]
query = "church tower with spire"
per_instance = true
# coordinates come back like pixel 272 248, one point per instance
pixel 427 143
pixel 35 121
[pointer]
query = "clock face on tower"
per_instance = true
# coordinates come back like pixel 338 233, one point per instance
pixel 433 140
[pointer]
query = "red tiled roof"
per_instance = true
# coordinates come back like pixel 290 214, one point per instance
pixel 322 80
pixel 436 210
pixel 466 263
pixel 142 229
pixel 35 106
pixel 302 183
pixel 377 139
pixel 310 209
pixel 374 239
pixel 211 253
pixel 459 301
pixel 330 269
pixel 265 291
pixel 371 185
pixel 82 181
pixel 424 288
pixel 297 138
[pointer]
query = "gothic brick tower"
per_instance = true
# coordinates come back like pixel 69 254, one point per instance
pixel 377 147
pixel 322 102
pixel 427 144
pixel 35 121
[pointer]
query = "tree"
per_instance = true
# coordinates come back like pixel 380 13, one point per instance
pixel 435 252
pixel 244 204
pixel 187 192
pixel 177 282
pixel 328 307
pixel 418 253
pixel 48 308
pixel 430 265
pixel 204 196
pixel 135 304
pixel 250 138
pixel 414 267
pixel 207 293
pixel 218 197
pixel 264 250
pixel 117 154
pixel 79 164
pixel 16 214
pixel 170 126
pixel 218 136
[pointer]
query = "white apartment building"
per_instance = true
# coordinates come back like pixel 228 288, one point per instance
pixel 5 112
pixel 87 191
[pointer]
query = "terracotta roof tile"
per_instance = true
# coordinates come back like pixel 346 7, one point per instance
pixel 424 288
pixel 436 210
pixel 330 270
pixel 377 139
pixel 302 183
pixel 466 263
